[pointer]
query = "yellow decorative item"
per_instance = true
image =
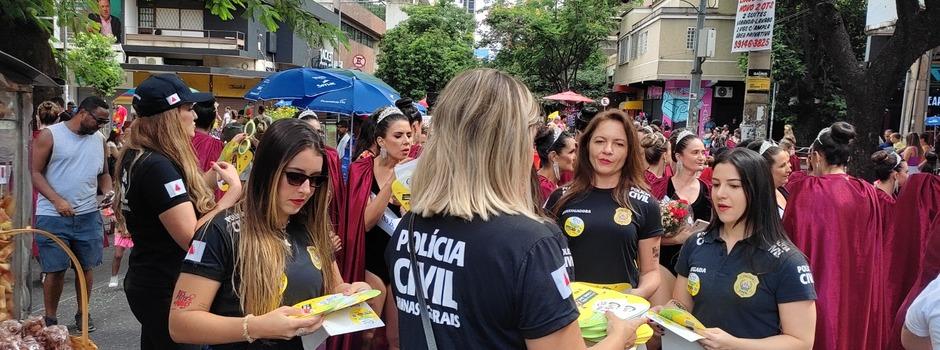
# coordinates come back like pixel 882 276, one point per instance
pixel 401 187
pixel 574 226
pixel 553 116
pixel 623 216
pixel 694 284
pixel 746 285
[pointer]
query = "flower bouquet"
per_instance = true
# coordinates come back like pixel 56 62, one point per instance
pixel 675 214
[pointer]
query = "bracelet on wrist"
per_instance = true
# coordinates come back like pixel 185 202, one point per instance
pixel 245 334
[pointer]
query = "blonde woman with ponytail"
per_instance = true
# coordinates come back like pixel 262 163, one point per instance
pixel 272 250
pixel 162 197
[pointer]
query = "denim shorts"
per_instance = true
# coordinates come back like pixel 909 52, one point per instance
pixel 83 233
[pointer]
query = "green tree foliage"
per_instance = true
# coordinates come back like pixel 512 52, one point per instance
pixel 425 51
pixel 551 44
pixel 93 63
pixel 272 13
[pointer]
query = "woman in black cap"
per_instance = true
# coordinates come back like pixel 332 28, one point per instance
pixel 163 199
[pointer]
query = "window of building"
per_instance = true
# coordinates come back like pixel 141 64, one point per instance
pixel 354 34
pixel 145 17
pixel 633 47
pixel 623 50
pixel 168 18
pixel 690 39
pixel 641 46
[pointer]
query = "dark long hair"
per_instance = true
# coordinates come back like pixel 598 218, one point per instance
pixel 631 175
pixel 261 252
pixel 371 129
pixel 545 144
pixel 763 228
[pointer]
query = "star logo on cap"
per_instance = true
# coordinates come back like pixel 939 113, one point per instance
pixel 173 99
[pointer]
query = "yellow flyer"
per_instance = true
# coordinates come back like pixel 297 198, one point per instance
pixel 334 302
pixel 401 187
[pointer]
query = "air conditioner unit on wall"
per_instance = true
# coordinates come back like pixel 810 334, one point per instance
pixel 136 60
pixel 724 92
pixel 155 60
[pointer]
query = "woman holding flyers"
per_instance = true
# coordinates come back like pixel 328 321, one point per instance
pixel 371 211
pixel 474 223
pixel 742 277
pixel 612 223
pixel 272 250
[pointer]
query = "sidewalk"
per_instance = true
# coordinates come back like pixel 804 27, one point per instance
pixel 117 327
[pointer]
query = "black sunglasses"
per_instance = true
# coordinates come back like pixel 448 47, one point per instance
pixel 297 179
pixel 100 122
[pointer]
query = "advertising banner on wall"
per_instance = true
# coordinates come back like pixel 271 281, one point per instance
pixel 753 26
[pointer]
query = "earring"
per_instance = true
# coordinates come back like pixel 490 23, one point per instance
pixel 383 153
pixel 556 171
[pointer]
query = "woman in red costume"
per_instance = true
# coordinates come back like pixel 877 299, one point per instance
pixel 836 220
pixel 371 212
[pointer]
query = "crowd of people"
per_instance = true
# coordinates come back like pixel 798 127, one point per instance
pixel 505 210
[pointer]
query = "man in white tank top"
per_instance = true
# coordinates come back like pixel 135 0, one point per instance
pixel 68 168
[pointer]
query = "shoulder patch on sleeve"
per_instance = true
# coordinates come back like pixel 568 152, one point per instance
pixel 195 251
pixel 562 282
pixel 175 188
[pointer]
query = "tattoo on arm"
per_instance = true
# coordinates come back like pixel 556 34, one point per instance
pixel 183 299
pixel 656 253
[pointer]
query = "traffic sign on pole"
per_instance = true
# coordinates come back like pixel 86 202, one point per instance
pixel 359 61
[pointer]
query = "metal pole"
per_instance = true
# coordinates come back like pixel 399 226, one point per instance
pixel 773 104
pixel 695 85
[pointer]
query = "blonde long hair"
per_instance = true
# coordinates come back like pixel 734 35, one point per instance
pixel 261 253
pixel 478 161
pixel 164 133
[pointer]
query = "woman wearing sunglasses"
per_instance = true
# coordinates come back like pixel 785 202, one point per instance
pixel 162 198
pixel 270 251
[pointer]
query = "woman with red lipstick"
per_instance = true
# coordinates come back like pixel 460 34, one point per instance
pixel 742 277
pixel 271 251
pixel 612 223
pixel 371 213
pixel 779 162
pixel 688 154
pixel 558 153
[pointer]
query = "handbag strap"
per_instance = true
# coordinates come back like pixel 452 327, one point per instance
pixel 422 303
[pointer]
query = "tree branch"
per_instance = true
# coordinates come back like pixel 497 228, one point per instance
pixel 828 24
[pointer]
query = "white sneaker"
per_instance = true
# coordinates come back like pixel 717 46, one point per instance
pixel 114 282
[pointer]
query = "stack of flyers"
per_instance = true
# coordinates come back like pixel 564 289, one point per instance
pixel 593 303
pixel 401 187
pixel 333 302
pixel 682 318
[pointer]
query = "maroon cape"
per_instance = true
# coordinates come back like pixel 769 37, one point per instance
pixel 336 185
pixel 836 221
pixel 352 259
pixel 906 243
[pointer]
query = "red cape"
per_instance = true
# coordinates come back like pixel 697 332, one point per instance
pixel 351 260
pixel 336 185
pixel 908 236
pixel 546 187
pixel 352 227
pixel 836 220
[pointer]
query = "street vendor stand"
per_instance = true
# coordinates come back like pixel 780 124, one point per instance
pixel 17 80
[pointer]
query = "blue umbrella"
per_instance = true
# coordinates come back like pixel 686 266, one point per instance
pixel 366 95
pixel 297 83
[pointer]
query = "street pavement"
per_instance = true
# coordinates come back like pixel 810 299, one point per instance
pixel 117 327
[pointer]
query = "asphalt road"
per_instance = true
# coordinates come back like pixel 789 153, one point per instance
pixel 117 327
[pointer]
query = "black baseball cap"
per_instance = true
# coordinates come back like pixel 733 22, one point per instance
pixel 162 92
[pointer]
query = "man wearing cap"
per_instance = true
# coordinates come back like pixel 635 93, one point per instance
pixel 163 198
pixel 68 169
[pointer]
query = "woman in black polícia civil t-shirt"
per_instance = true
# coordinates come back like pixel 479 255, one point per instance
pixel 612 225
pixel 273 250
pixel 162 198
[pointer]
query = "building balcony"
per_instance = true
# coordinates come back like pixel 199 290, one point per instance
pixel 186 38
